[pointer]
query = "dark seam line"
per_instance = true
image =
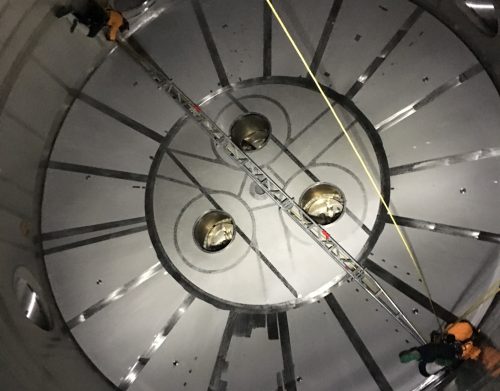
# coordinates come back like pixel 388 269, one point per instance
pixel 325 36
pixel 209 41
pixel 96 239
pixel 220 363
pixel 358 344
pixel 286 352
pixel 386 51
pixel 268 36
pixel 129 176
pixel 446 229
pixel 272 327
pixel 64 233
pixel 485 153
pixel 120 117
pixel 409 291
pixel 238 230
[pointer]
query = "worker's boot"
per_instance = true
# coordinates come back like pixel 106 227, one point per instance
pixel 409 355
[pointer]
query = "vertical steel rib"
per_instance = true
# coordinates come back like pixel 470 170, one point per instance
pixel 325 35
pixel 210 42
pixel 216 384
pixel 358 344
pixel 286 352
pixel 158 341
pixel 287 204
pixel 268 37
pixel 386 51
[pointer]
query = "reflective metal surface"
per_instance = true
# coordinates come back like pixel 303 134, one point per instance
pixel 484 13
pixel 214 231
pixel 323 202
pixel 32 304
pixel 81 130
pixel 250 131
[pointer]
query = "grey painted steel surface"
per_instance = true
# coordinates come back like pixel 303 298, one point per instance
pixel 38 57
pixel 274 191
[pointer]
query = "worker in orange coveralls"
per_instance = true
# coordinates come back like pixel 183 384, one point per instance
pixel 91 14
pixel 456 344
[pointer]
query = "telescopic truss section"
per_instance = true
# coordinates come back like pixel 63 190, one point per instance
pixel 347 262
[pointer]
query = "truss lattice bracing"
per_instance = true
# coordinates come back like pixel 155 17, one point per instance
pixel 286 203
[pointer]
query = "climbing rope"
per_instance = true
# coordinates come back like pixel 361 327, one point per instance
pixel 494 289
pixel 359 157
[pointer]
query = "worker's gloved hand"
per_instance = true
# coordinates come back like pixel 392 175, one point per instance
pixel 409 355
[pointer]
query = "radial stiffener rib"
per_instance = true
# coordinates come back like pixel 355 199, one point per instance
pixel 286 203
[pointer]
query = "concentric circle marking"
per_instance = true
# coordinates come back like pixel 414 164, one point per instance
pixel 212 173
pixel 214 231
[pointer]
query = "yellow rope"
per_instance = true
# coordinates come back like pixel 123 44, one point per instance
pixel 494 289
pixel 358 155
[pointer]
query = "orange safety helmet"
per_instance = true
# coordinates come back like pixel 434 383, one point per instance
pixel 465 333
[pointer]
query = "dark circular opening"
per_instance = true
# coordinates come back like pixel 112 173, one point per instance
pixel 250 132
pixel 323 202
pixel 31 304
pixel 214 231
pixel 483 13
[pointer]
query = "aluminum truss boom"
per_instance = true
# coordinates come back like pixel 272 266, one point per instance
pixel 286 203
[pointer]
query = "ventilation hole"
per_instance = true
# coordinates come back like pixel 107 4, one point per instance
pixel 395 266
pixel 214 231
pixel 299 379
pixel 190 371
pixel 323 202
pixel 175 363
pixel 407 273
pixel 396 330
pixel 357 290
pixel 366 300
pixel 250 132
pixel 463 190
pixel 415 311
pixel 383 260
pixel 99 282
pixel 376 309
pixel 407 341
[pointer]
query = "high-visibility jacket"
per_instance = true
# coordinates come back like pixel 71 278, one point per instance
pixel 464 333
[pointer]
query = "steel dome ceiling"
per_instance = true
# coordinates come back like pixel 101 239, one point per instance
pixel 127 180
